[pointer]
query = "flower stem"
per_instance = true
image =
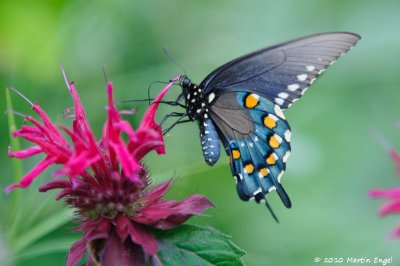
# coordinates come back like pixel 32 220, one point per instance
pixel 16 164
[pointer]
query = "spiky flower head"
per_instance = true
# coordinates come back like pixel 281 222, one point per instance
pixel 106 182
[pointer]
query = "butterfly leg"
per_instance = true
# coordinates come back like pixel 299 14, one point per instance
pixel 173 114
pixel 173 103
pixel 180 98
pixel 178 121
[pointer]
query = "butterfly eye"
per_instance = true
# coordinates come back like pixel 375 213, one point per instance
pixel 185 82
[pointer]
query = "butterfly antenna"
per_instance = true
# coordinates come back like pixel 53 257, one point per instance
pixel 149 89
pixel 271 211
pixel 166 51
pixel 140 100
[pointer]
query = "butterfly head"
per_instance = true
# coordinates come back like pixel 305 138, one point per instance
pixel 188 88
pixel 184 82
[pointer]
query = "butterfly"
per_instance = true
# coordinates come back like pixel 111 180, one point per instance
pixel 241 104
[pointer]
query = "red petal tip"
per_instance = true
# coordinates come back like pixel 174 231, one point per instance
pixel 11 188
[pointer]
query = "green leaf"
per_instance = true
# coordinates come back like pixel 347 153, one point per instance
pixel 196 245
pixel 45 247
pixel 39 230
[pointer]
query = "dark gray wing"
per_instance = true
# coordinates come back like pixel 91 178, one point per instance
pixel 283 72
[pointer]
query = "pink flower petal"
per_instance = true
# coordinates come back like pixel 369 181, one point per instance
pixel 77 165
pixel 111 132
pixel 81 125
pixel 82 129
pixel 156 192
pixel 27 179
pixel 122 226
pixel 396 158
pixel 147 140
pixel 391 193
pixel 77 250
pixel 128 164
pixel 168 214
pixel 148 120
pixel 141 236
pixel 390 207
pixel 64 193
pixel 47 137
pixel 51 130
pixel 395 233
pixel 24 153
pixel 117 252
pixel 26 130
pixel 124 126
pixel 395 155
pixel 55 184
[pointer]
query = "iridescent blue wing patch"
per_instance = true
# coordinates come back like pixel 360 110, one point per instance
pixel 256 137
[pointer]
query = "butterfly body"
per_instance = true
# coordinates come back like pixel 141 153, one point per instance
pixel 198 109
pixel 195 99
pixel 210 141
pixel 241 104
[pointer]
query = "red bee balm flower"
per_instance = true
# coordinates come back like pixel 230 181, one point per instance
pixel 391 194
pixel 391 207
pixel 107 184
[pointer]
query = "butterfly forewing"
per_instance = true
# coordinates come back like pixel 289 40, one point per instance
pixel 256 137
pixel 283 72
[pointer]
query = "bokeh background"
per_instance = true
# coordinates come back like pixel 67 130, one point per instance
pixel 335 159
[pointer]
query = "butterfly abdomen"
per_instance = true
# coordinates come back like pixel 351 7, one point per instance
pixel 209 141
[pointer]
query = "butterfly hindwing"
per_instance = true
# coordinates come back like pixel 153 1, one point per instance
pixel 281 73
pixel 256 137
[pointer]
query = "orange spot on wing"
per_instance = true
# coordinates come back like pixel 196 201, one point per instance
pixel 235 154
pixel 274 142
pixel 251 100
pixel 271 159
pixel 264 171
pixel 249 168
pixel 269 122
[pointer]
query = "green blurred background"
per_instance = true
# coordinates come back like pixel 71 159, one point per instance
pixel 335 160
